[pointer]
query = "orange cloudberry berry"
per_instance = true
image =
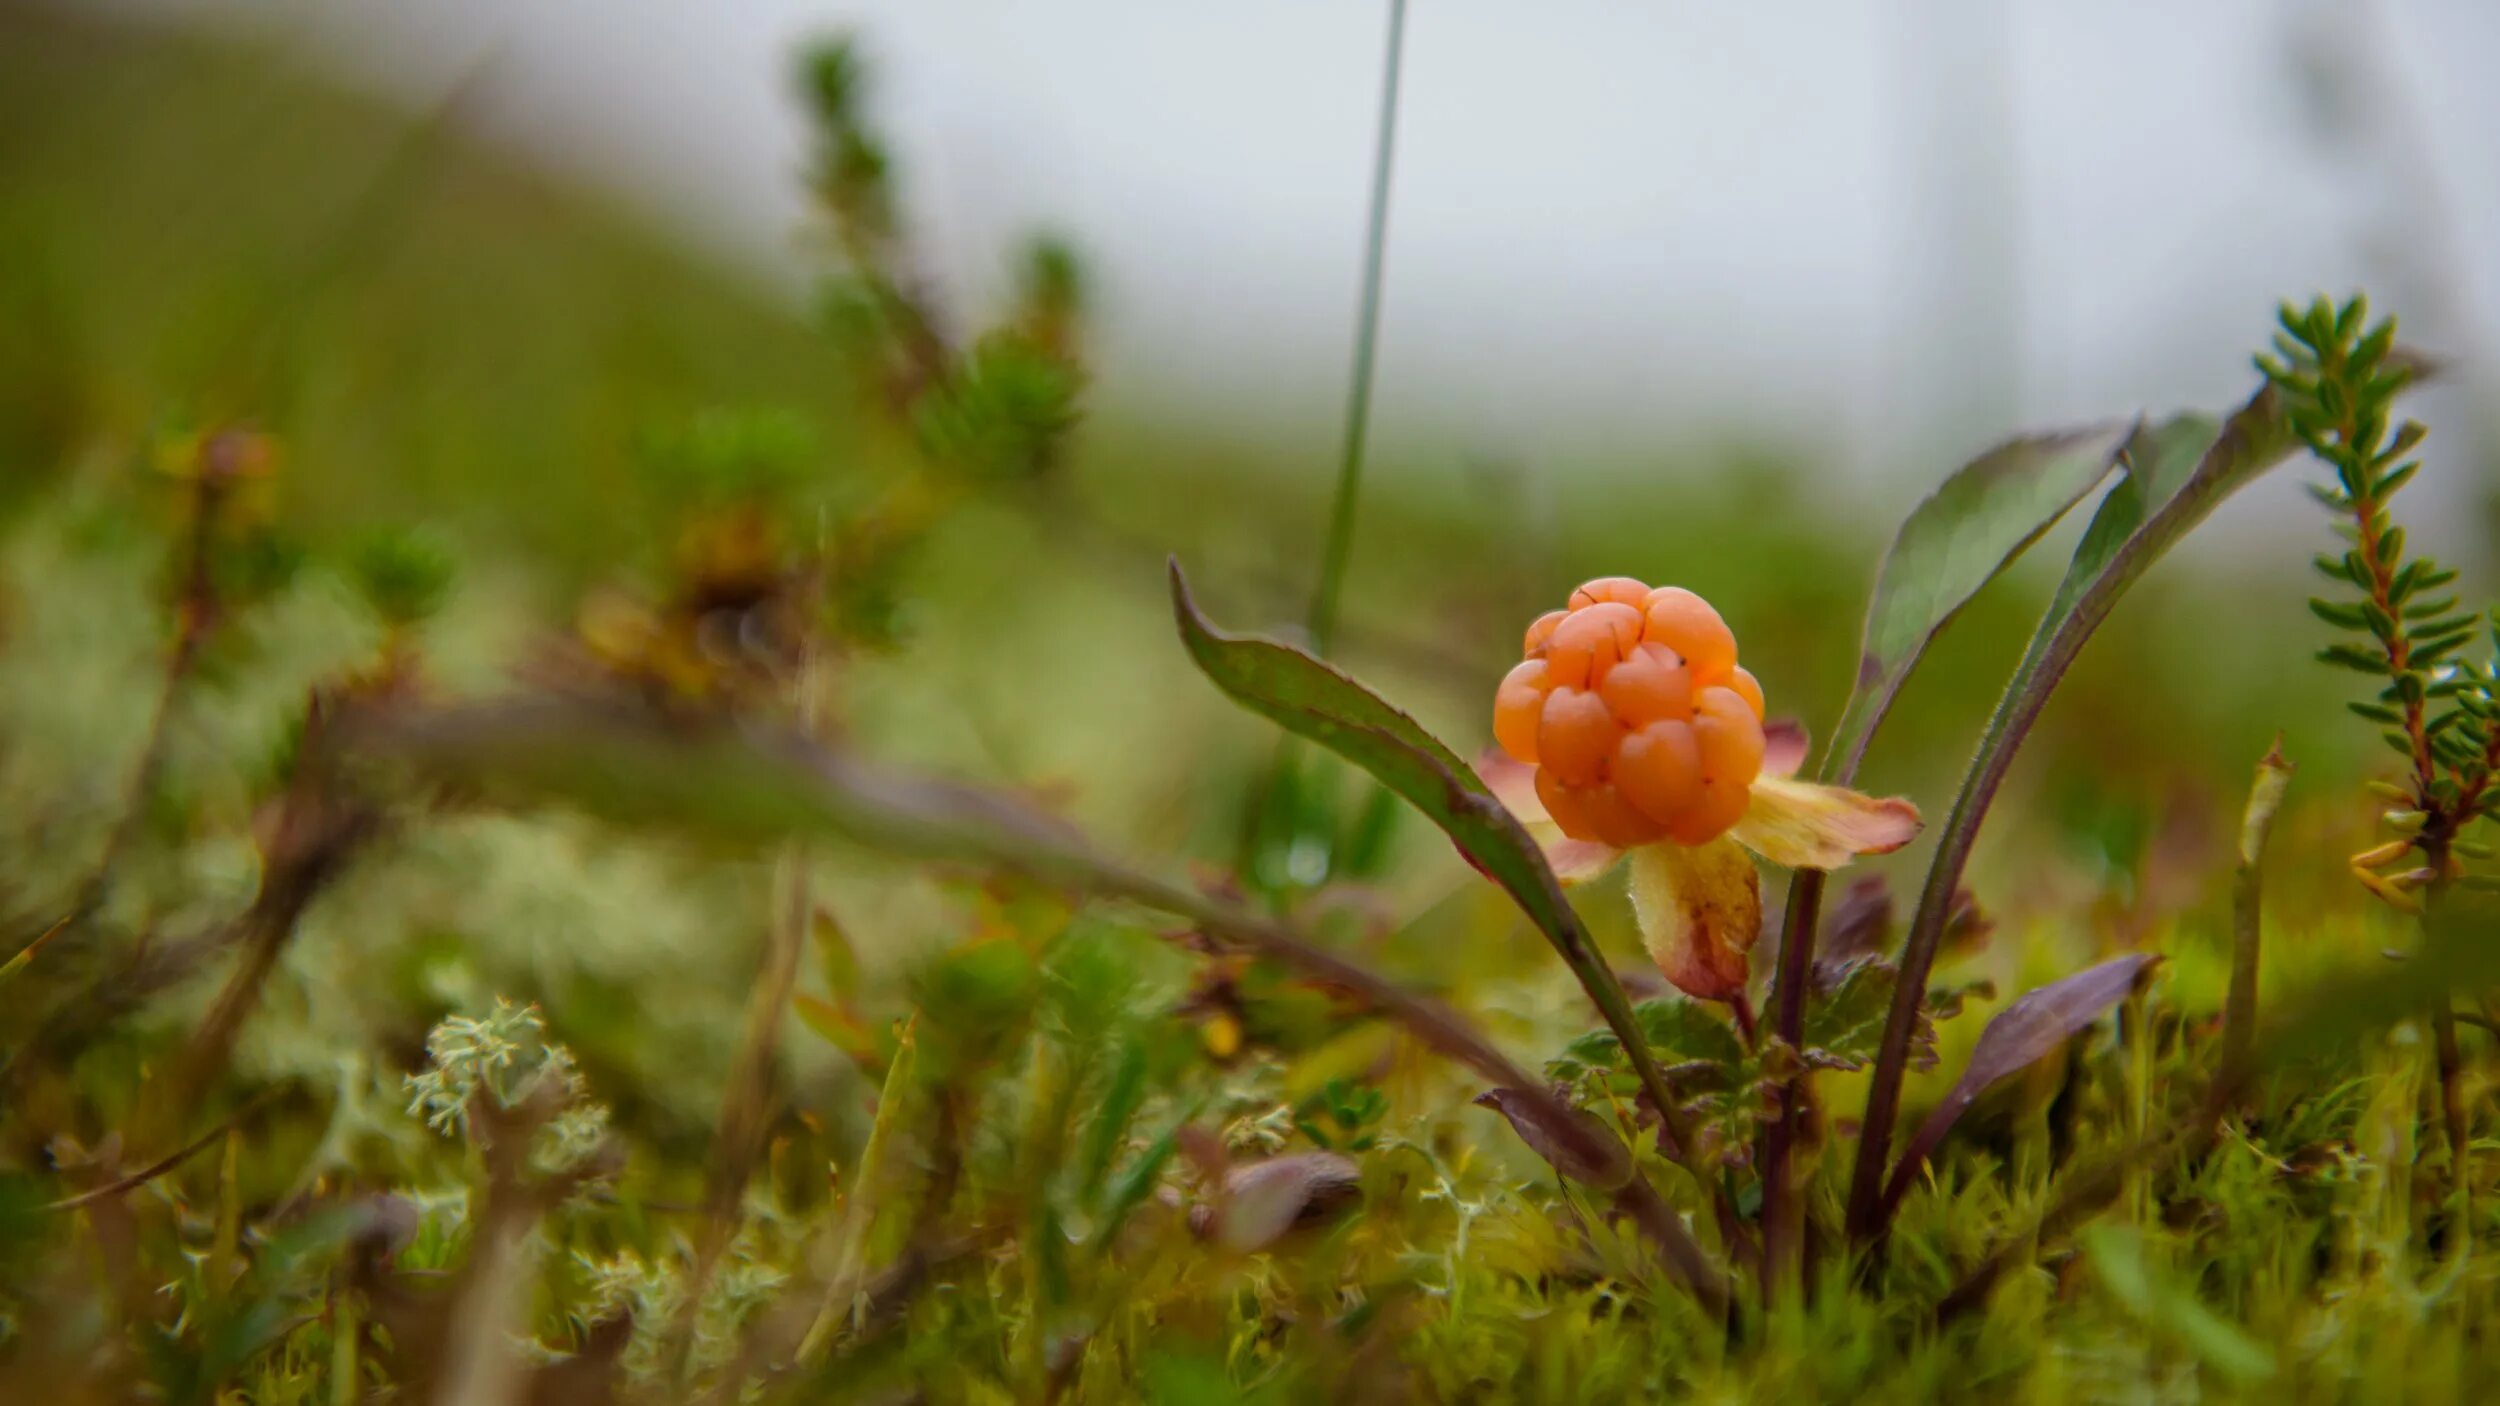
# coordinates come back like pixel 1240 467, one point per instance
pixel 1748 688
pixel 1685 623
pixel 1576 736
pixel 1589 642
pixel 1631 707
pixel 1650 685
pixel 1658 769
pixel 1540 630
pixel 1519 707
pixel 1623 590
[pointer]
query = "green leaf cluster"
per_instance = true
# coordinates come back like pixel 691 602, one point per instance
pixel 2340 375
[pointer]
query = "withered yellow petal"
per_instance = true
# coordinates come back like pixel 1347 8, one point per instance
pixel 1805 825
pixel 1700 909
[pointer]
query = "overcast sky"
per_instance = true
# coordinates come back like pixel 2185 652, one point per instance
pixel 1892 227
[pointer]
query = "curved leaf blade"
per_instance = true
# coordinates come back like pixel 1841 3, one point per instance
pixel 1533 1124
pixel 2037 1023
pixel 1312 698
pixel 2178 471
pixel 1957 540
pixel 1264 1200
pixel 1309 697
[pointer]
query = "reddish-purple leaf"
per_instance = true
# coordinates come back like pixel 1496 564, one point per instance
pixel 1263 1200
pixel 1861 923
pixel 2037 1023
pixel 1585 1152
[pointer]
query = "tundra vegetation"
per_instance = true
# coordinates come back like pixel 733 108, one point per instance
pixel 572 841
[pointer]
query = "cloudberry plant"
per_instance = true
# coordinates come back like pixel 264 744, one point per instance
pixel 1637 730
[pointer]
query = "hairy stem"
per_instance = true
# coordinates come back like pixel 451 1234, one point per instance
pixel 1783 1213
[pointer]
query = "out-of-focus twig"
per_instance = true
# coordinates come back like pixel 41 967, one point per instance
pixel 2239 1012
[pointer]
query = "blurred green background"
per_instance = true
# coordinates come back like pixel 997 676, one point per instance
pixel 441 336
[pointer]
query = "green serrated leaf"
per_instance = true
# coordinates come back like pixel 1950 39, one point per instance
pixel 1678 1030
pixel 1845 1023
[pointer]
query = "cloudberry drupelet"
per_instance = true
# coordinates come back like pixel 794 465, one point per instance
pixel 1631 707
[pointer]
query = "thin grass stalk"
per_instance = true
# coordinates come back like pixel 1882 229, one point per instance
pixel 1340 544
pixel 1283 776
pixel 2456 1120
pixel 346 1331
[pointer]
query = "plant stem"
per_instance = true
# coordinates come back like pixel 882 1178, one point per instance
pixel 1340 546
pixel 345 1329
pixel 1783 1210
pixel 2456 1121
pixel 2135 1021
pixel 133 1181
pixel 195 612
pixel 1445 1031
pixel 2015 710
pixel 1783 1213
pixel 2458 1126
pixel 2035 678
pixel 319 829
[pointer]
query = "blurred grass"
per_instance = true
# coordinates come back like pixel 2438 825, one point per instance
pixel 438 334
pixel 443 335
